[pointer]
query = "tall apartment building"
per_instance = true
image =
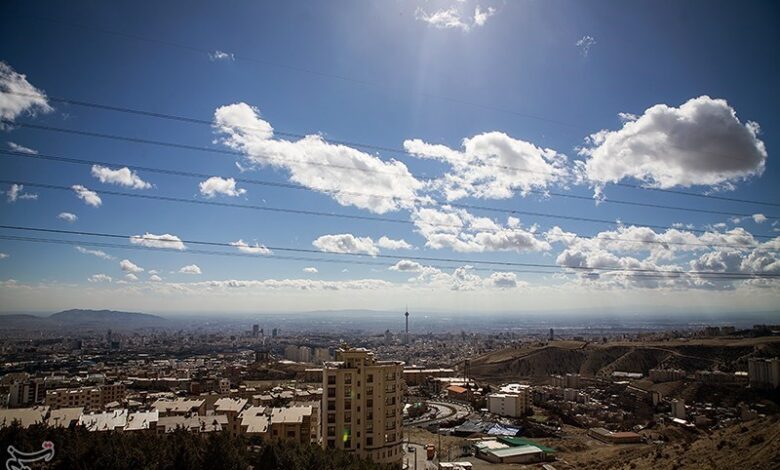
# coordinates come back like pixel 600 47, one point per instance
pixel 362 406
pixel 764 373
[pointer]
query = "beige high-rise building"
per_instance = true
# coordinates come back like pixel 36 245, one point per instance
pixel 362 405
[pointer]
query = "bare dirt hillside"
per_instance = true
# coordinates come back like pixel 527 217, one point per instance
pixel 602 359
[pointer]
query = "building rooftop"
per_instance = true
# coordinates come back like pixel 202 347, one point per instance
pixel 141 420
pixel 293 414
pixel 230 404
pixel 107 421
pixel 64 417
pixel 26 417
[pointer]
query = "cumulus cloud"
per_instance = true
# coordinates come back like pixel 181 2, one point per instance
pixel 99 278
pixel 98 253
pixel 91 198
pixel 759 218
pixel 700 143
pixel 155 278
pixel 18 96
pixel 310 270
pixel 256 249
pixel 455 17
pixel 158 241
pixel 190 269
pixel 15 193
pixel 122 176
pixel 216 185
pixel 336 170
pixel 130 267
pixel 67 217
pixel 390 244
pixel 3 255
pixel 221 56
pixel 459 230
pixel 503 280
pixel 346 243
pixel 584 44
pixel 406 265
pixel 130 277
pixel 492 165
pixel 21 148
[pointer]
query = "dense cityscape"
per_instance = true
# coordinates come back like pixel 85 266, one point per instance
pixel 404 398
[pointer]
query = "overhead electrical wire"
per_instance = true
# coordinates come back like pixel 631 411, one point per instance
pixel 666 276
pixel 207 202
pixel 194 120
pixel 419 200
pixel 142 238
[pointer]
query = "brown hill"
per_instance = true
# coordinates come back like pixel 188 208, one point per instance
pixel 603 359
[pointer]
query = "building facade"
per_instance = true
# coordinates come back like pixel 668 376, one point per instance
pixel 362 405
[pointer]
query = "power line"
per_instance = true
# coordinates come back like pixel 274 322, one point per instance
pixel 419 200
pixel 194 120
pixel 398 221
pixel 140 239
pixel 669 275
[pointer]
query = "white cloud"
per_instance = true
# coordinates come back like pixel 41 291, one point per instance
pixel 461 231
pixel 98 253
pixel 255 249
pixel 155 278
pixel 18 96
pixel 336 170
pixel 190 269
pixel 481 16
pixel 21 148
pixel 130 267
pixel 503 280
pixel 406 265
pixel 158 241
pixel 216 185
pixel 759 218
pixel 122 176
pixel 15 193
pixel 492 165
pixel 455 17
pixel 390 244
pixel 700 143
pixel 67 217
pixel 91 198
pixel 3 255
pixel 585 43
pixel 130 277
pixel 99 278
pixel 310 270
pixel 221 55
pixel 346 243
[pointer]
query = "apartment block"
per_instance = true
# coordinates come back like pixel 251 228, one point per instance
pixel 362 405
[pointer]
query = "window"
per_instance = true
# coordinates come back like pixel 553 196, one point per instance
pixel 331 392
pixel 332 380
pixel 348 417
pixel 370 378
pixel 331 431
pixel 347 378
pixel 369 441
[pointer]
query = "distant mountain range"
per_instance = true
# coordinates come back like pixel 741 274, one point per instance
pixel 83 319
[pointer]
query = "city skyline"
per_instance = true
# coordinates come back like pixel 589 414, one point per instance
pixel 596 164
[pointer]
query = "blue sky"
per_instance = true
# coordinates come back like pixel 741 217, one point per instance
pixel 691 79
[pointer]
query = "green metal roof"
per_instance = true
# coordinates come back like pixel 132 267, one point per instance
pixel 521 441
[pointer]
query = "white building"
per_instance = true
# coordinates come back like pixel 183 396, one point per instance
pixel 513 401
